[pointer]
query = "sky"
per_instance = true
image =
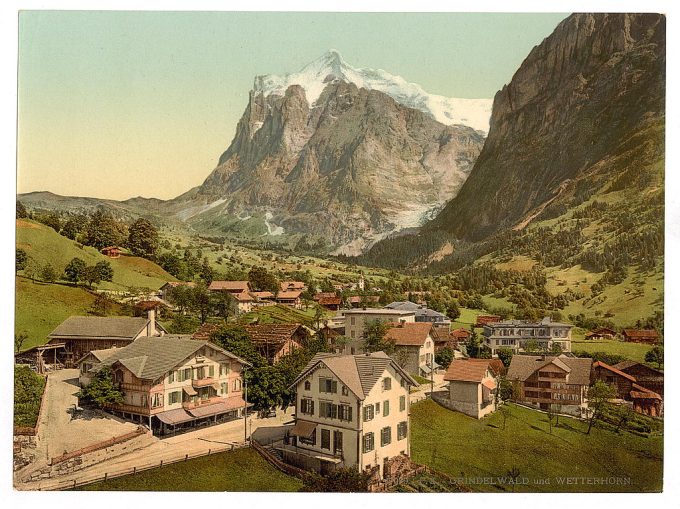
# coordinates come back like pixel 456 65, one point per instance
pixel 123 104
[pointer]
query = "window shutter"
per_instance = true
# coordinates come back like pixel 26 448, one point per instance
pixel 322 385
pixel 211 371
pixel 386 408
pixel 334 386
pixel 349 413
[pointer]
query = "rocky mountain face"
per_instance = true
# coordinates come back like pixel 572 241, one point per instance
pixel 583 107
pixel 351 167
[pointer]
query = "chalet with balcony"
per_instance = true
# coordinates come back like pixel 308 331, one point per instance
pixel 515 334
pixel 290 298
pixel 649 378
pixel 643 400
pixel 351 411
pixel 473 384
pixel 648 336
pixel 292 286
pixel 172 382
pixel 601 333
pixel 541 381
pixel 233 287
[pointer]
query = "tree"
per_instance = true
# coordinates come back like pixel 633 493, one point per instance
pixel 143 238
pixel 105 270
pixel 505 355
pixel 531 346
pixel 21 210
pixel 20 259
pixel 625 414
pixel 374 337
pixel 505 388
pixel 19 340
pixel 473 344
pixel 340 480
pixel 172 264
pixel 51 219
pixel 513 474
pixel 74 226
pixel 444 357
pixel 655 355
pixel 224 304
pixel 262 280
pixel 556 349
pixel 206 273
pixel 74 270
pixel 91 276
pixel 183 324
pixel 102 389
pixel 201 301
pixel 599 395
pixel 505 413
pixel 103 230
pixel 48 273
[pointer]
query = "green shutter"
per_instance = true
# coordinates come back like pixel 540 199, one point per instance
pixel 211 371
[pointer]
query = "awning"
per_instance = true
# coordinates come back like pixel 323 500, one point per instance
pixel 216 386
pixel 227 405
pixel 189 390
pixel 644 395
pixel 177 416
pixel 303 429
pixel 489 384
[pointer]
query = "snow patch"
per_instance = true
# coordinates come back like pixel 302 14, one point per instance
pixel 198 209
pixel 314 77
pixel 272 229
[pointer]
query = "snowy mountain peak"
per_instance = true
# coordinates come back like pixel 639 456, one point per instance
pixel 314 77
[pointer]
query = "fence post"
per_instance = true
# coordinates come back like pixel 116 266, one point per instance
pixel 106 474
pixel 134 470
pixel 209 451
pixel 74 483
pixel 161 462
pixel 186 457
pixel 232 447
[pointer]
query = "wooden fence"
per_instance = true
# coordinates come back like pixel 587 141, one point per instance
pixel 85 479
pixel 141 430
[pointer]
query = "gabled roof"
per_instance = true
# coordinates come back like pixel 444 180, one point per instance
pixel 404 305
pixel 640 333
pixel 523 366
pixel 272 333
pixel 409 334
pixel 288 295
pixel 243 297
pixel 459 334
pixel 175 284
pixel 262 295
pixel 118 327
pixel 359 373
pixel 603 365
pixel 292 285
pixel 150 358
pixel 624 365
pixel 330 301
pixel 468 370
pixel 205 331
pixel 243 286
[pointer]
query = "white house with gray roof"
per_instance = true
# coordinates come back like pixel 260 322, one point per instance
pixel 172 381
pixel 351 411
pixel 515 334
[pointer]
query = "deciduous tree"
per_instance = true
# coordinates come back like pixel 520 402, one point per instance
pixel 143 238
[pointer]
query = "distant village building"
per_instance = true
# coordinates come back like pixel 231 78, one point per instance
pixel 483 320
pixel 262 299
pixel 358 301
pixel 648 377
pixel 290 298
pixel 643 400
pixel 473 386
pixel 423 313
pixel 414 347
pixel 648 336
pixel 78 335
pixel 330 303
pixel 356 320
pixel 541 381
pixel 111 251
pixel 233 287
pixel 601 333
pixel 172 382
pixel 514 334
pixel 273 341
pixel 287 286
pixel 351 411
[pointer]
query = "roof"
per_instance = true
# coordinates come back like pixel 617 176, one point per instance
pixel 359 373
pixel 523 366
pixel 262 295
pixel 322 295
pixel 604 365
pixel 206 330
pixel 100 355
pixel 640 392
pixel 460 333
pixel 303 428
pixel 330 301
pixel 624 365
pixel 295 285
pixel 409 334
pixel 229 285
pixel 118 327
pixel 468 370
pixel 289 295
pixel 404 305
pixel 601 330
pixel 641 333
pixel 356 299
pixel 175 284
pixel 525 323
pixel 271 332
pixel 149 358
pixel 378 311
pixel 243 297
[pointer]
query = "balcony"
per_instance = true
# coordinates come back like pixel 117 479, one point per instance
pixel 188 405
pixel 202 382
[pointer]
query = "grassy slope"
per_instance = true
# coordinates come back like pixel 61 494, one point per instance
pixel 40 307
pixel 632 351
pixel 280 313
pixel 241 470
pixel 44 245
pixel 462 446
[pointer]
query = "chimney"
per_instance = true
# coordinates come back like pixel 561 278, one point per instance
pixel 151 326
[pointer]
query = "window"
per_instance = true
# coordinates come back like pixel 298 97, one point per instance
pixel 307 406
pixel 377 408
pixel 353 334
pixel 175 397
pixel 236 386
pixel 171 377
pixel 353 321
pixel 402 403
pixel 211 371
pixel 224 388
pixel 326 439
pixel 345 412
pixel 328 409
pixel 345 391
pixel 224 369
pixel 156 400
pixel 311 440
pixel 386 408
pixel 308 385
pixel 337 441
pixel 386 384
pixel 402 430
pixel 368 413
pixel 187 374
pixel 328 385
pixel 369 442
pixel 385 436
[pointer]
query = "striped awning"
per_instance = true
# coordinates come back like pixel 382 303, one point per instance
pixel 176 416
pixel 189 390
pixel 226 405
pixel 303 429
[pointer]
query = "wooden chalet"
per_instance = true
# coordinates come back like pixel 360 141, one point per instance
pixel 645 401
pixel 111 251
pixel 646 376
pixel 648 336
pixel 483 320
pixel 601 333
pixel 273 341
pixel 331 303
pixel 291 298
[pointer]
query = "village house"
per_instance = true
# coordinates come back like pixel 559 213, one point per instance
pixel 165 291
pixel 351 411
pixel 262 299
pixel 78 335
pixel 600 333
pixel 514 334
pixel 359 301
pixel 451 339
pixel 333 336
pixel 273 341
pixel 244 302
pixel 233 287
pixel 541 381
pixel 648 336
pixel 473 386
pixel 483 320
pixel 414 346
pixel 171 382
pixel 288 286
pixel 356 320
pixel 423 313
pixel 111 251
pixel 643 400
pixel 649 378
pixel 330 303
pixel 290 298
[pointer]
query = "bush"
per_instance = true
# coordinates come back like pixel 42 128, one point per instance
pixel 28 390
